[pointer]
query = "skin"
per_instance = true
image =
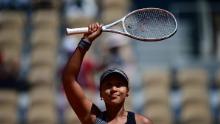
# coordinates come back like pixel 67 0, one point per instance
pixel 113 90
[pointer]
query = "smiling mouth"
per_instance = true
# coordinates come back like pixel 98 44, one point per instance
pixel 113 96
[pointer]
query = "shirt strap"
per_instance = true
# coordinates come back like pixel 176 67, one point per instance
pixel 131 118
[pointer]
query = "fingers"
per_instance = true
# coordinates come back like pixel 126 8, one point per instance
pixel 94 27
pixel 94 30
pixel 99 27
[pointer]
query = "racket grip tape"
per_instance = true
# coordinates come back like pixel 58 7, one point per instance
pixel 71 31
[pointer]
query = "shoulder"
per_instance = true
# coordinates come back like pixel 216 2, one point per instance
pixel 140 119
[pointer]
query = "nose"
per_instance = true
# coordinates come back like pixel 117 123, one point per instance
pixel 113 88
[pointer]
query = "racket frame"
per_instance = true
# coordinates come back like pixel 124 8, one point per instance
pixel 107 28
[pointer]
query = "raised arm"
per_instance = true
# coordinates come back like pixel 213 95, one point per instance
pixel 75 94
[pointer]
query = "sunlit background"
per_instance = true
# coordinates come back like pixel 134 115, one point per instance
pixel 176 81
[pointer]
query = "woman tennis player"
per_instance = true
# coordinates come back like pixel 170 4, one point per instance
pixel 113 89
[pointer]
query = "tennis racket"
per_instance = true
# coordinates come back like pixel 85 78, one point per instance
pixel 147 24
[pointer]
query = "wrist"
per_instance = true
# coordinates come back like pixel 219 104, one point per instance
pixel 84 44
pixel 86 40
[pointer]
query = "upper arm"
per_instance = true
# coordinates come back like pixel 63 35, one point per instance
pixel 83 107
pixel 75 94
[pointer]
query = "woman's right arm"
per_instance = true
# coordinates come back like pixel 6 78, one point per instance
pixel 75 94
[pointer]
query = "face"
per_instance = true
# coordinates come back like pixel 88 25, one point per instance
pixel 113 90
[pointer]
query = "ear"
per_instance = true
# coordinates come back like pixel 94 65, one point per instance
pixel 100 94
pixel 127 94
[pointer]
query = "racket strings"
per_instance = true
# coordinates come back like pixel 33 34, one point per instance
pixel 151 24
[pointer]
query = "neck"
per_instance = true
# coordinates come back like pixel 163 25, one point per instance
pixel 115 111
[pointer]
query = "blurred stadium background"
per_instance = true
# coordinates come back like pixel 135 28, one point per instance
pixel 176 81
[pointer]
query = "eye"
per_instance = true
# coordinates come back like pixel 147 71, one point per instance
pixel 119 84
pixel 107 85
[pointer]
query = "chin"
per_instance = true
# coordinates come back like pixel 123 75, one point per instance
pixel 115 102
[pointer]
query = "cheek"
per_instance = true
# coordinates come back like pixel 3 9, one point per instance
pixel 105 92
pixel 124 91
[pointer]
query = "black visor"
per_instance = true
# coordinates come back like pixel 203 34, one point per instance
pixel 111 72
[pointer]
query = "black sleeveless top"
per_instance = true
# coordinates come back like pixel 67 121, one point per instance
pixel 101 119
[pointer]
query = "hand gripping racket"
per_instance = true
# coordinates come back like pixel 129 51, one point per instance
pixel 147 24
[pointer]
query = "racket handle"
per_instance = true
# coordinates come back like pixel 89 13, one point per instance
pixel 71 31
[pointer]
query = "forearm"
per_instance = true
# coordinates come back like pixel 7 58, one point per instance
pixel 72 68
